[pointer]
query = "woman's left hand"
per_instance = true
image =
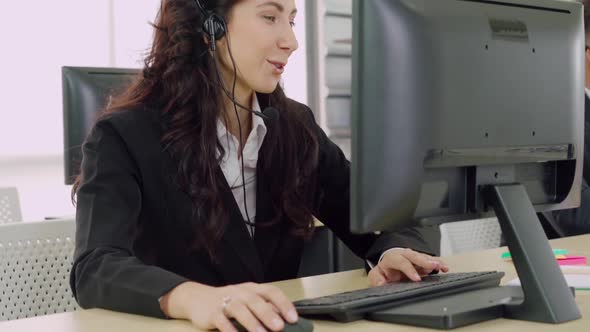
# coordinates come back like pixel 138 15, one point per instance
pixel 401 264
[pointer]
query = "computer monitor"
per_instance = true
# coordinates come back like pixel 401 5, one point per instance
pixel 470 107
pixel 86 92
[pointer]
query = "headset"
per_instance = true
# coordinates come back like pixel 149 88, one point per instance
pixel 215 28
pixel 213 25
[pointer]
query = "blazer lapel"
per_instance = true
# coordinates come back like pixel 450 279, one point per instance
pixel 266 238
pixel 237 236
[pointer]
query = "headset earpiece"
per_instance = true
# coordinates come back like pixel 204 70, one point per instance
pixel 213 25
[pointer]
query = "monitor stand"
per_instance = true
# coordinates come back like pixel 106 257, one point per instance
pixel 544 296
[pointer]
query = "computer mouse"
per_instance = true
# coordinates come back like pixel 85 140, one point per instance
pixel 302 325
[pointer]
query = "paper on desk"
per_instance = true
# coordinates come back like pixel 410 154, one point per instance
pixel 575 276
pixel 575 269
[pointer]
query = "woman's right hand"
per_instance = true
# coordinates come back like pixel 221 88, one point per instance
pixel 257 307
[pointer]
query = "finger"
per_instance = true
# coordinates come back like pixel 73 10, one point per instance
pixel 275 296
pixel 377 277
pixel 264 312
pixel 437 259
pixel 441 268
pixel 400 263
pixel 441 264
pixel 424 272
pixel 240 311
pixel 421 260
pixel 222 323
pixel 391 275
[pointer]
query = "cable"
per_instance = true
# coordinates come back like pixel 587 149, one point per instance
pixel 248 222
pixel 233 93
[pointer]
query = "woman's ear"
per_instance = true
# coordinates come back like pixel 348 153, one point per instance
pixel 221 42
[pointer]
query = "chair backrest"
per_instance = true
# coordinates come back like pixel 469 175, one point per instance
pixel 9 205
pixel 35 263
pixel 470 235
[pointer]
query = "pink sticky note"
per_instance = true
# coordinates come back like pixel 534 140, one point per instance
pixel 572 260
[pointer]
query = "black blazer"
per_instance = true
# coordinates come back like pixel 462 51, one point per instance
pixel 128 208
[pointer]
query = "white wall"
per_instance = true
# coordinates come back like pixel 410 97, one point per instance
pixel 40 37
pixel 40 184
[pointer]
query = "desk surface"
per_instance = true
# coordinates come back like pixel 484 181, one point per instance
pixel 102 320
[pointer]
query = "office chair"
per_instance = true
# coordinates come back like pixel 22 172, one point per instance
pixel 35 263
pixel 469 235
pixel 9 205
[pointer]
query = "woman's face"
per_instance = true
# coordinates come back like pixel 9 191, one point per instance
pixel 261 39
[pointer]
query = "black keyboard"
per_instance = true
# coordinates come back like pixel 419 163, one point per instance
pixel 352 305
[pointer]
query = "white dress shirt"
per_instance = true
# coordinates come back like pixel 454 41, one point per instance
pixel 231 165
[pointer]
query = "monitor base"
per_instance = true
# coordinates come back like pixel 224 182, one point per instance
pixel 452 311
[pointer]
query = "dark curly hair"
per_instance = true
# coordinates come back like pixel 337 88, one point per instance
pixel 179 79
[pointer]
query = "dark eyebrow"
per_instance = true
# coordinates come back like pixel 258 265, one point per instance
pixel 279 7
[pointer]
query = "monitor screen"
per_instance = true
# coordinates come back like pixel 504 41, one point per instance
pixel 452 95
pixel 86 92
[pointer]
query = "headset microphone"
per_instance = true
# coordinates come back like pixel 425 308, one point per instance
pixel 270 114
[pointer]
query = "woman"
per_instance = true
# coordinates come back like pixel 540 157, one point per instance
pixel 187 202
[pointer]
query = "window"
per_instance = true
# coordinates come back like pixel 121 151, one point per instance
pixel 38 38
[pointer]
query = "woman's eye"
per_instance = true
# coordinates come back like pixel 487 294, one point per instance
pixel 292 23
pixel 270 18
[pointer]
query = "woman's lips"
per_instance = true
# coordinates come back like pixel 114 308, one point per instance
pixel 278 67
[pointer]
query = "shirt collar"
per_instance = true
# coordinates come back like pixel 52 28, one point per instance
pixel 257 122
